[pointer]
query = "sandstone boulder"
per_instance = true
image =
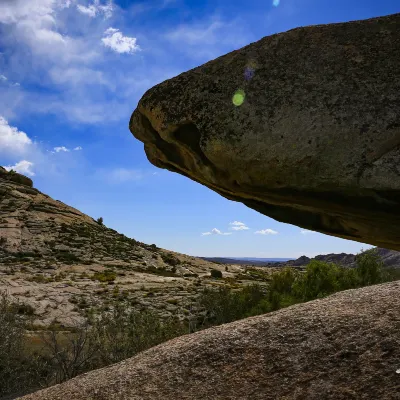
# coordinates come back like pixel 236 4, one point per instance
pixel 343 347
pixel 302 126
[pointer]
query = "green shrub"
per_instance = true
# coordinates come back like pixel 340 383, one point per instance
pixel 370 268
pixel 18 368
pixel 215 273
pixel 100 220
pixel 66 257
pixel 170 259
pixel 319 280
pixel 105 276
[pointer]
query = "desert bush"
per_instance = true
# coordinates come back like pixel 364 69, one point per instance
pixel 19 369
pixel 100 220
pixel 215 273
pixel 106 276
pixel 170 259
pixel 319 280
pixel 123 333
pixel 225 305
pixel 68 258
pixel 370 268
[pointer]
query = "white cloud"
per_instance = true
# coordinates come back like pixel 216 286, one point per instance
pixel 77 148
pixel 38 24
pixel 116 41
pixel 238 226
pixel 78 76
pixel 94 9
pixel 306 232
pixel 266 232
pixel 60 148
pixel 12 141
pixel 209 38
pixel 121 175
pixel 216 231
pixel 3 78
pixel 23 167
pixel 66 3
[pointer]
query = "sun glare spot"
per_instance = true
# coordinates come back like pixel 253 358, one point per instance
pixel 238 97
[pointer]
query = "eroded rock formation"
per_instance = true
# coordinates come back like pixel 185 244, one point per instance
pixel 343 347
pixel 302 126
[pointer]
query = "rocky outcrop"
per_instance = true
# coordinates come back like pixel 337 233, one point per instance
pixel 15 177
pixel 302 126
pixel 343 347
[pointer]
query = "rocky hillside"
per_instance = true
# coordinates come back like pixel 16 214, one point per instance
pixel 343 347
pixel 62 263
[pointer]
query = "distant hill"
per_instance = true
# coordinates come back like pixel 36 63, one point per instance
pixel 390 258
pixel 245 260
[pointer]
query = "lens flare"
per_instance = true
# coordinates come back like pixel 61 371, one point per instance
pixel 238 98
pixel 275 3
pixel 248 73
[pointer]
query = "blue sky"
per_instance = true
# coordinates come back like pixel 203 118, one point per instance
pixel 72 72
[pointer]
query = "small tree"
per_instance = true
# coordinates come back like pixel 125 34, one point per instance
pixel 370 268
pixel 100 220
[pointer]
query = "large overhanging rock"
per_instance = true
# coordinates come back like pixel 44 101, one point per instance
pixel 343 347
pixel 313 139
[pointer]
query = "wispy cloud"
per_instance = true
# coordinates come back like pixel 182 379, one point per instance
pixel 266 232
pixel 238 226
pixel 209 37
pixel 60 149
pixel 96 8
pixel 116 41
pixel 23 167
pixel 78 148
pixel 216 231
pixel 120 175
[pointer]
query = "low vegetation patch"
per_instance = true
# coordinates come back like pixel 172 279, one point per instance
pixel 105 276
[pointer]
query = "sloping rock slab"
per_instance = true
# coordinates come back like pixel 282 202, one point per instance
pixel 302 126
pixel 343 347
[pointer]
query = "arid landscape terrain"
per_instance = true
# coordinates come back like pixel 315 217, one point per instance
pixel 63 263
pixel 302 127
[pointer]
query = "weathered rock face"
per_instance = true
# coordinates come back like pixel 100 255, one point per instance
pixel 314 143
pixel 343 347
